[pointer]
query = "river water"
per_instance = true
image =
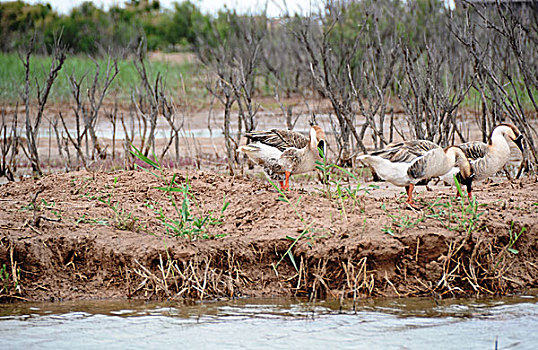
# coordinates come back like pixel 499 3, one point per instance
pixel 415 323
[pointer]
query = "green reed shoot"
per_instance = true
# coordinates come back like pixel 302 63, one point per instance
pixel 514 237
pixel 185 223
pixel 342 193
pixel 284 198
pixel 9 284
pixel 457 214
pixel 400 222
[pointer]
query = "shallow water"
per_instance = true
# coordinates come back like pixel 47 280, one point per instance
pixel 418 323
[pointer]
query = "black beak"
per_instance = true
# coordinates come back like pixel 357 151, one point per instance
pixel 322 148
pixel 468 182
pixel 519 142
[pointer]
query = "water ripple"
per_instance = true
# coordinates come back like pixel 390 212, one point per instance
pixel 263 324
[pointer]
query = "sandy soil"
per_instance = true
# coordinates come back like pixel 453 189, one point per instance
pixel 88 235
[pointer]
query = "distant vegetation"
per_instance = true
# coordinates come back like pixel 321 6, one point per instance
pixel 12 72
pixel 92 30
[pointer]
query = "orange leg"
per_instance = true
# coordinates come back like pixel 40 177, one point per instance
pixel 409 189
pixel 281 185
pixel 409 201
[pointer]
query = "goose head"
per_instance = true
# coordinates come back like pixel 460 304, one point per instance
pixel 466 174
pixel 318 145
pixel 511 132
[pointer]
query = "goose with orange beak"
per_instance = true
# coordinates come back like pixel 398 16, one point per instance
pixel 283 153
pixel 408 162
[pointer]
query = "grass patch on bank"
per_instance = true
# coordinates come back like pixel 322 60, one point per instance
pixel 188 218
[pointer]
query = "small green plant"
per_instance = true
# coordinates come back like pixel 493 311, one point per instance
pixel 185 222
pixel 457 214
pixel 400 222
pixel 284 198
pixel 289 252
pixel 41 205
pixel 52 207
pixel 123 220
pixel 342 193
pixel 87 220
pixel 513 238
pixel 388 230
pixel 9 282
pixel 4 276
pixel 86 181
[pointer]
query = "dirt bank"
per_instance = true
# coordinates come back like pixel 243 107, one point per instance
pixel 88 235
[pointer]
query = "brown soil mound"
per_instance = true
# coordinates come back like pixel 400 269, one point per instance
pixel 88 235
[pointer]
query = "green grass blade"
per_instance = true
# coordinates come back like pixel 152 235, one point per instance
pixel 138 154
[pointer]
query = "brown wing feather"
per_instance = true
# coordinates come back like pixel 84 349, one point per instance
pixel 418 169
pixel 281 139
pixel 474 149
pixel 405 152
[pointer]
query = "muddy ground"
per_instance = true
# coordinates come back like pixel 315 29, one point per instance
pixel 85 235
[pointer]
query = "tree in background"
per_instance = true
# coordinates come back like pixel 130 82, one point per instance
pixel 19 21
pixel 92 30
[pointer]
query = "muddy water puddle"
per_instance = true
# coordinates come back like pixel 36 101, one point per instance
pixel 503 323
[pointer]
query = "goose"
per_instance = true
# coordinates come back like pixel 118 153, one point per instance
pixel 408 162
pixel 283 153
pixel 488 159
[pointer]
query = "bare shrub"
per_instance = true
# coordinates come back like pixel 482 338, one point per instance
pixel 502 44
pixel 9 145
pixel 233 57
pixel 435 85
pixel 33 123
pixel 328 69
pixel 86 111
pixel 145 100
